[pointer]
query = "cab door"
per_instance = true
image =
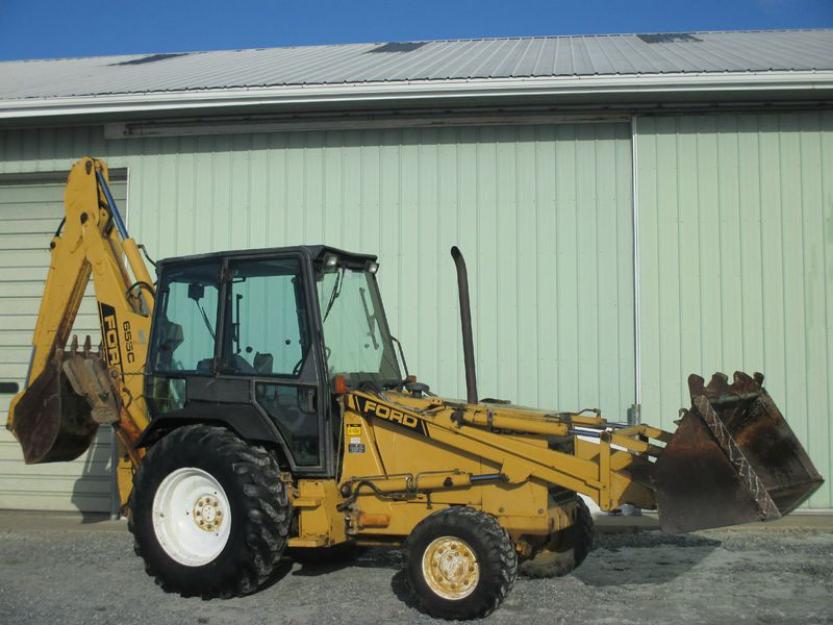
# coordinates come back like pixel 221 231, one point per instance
pixel 268 338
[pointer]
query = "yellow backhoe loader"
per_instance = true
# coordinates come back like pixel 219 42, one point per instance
pixel 263 408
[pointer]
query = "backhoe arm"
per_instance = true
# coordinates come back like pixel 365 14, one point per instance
pixel 68 394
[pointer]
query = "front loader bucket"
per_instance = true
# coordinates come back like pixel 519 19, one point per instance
pixel 52 419
pixel 733 459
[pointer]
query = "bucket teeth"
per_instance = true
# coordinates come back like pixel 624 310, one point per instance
pixel 718 386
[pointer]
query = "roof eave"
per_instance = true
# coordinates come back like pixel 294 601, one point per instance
pixel 818 84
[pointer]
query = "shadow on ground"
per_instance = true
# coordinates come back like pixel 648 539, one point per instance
pixel 646 558
pixel 367 558
pixel 383 559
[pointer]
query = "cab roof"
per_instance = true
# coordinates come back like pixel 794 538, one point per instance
pixel 313 252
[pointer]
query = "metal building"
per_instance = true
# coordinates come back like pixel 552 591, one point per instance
pixel 633 207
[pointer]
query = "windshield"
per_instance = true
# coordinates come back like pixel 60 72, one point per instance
pixel 356 336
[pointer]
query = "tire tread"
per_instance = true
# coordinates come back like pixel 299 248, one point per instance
pixel 266 509
pixel 500 550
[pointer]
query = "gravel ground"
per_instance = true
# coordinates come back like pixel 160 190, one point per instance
pixel 720 576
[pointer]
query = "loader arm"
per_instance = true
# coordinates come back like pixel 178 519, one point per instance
pixel 603 471
pixel 733 459
pixel 69 393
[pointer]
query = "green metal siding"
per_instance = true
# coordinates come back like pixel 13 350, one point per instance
pixel 736 256
pixel 735 231
pixel 542 213
pixel 29 213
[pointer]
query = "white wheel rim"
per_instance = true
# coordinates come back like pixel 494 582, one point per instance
pixel 191 516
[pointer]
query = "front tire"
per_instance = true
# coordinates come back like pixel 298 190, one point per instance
pixel 208 513
pixel 461 563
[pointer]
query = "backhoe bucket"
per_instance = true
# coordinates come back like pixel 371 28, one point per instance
pixel 733 459
pixel 53 420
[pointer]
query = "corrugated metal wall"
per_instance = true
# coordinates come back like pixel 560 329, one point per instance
pixel 524 203
pixel 543 214
pixel 29 213
pixel 736 249
pixel 735 231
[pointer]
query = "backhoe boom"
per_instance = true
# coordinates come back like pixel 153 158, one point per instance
pixel 69 393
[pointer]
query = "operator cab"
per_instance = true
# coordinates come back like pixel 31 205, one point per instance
pixel 253 340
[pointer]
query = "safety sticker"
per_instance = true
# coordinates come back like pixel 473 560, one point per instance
pixel 356 448
pixel 354 430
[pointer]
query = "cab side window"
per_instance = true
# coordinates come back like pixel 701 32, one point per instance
pixel 187 319
pixel 266 335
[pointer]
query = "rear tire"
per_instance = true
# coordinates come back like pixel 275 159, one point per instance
pixel 460 564
pixel 566 550
pixel 208 513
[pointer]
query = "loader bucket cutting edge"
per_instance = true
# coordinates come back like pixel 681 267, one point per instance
pixel 733 459
pixel 51 421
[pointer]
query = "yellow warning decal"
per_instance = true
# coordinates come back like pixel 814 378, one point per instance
pixel 354 430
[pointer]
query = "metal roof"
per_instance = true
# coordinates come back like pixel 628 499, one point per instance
pixel 701 53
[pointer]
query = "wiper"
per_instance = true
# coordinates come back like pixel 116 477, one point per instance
pixel 335 293
pixel 370 318
pixel 205 320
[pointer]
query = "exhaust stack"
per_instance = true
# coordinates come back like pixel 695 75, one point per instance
pixel 465 321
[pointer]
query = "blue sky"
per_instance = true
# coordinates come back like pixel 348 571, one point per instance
pixel 58 28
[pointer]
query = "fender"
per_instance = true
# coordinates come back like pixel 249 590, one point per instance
pixel 242 419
